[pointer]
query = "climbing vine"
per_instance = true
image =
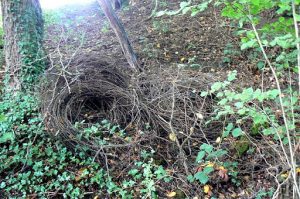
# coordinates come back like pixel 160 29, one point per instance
pixel 28 30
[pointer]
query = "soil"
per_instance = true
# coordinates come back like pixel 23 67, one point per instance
pixel 196 43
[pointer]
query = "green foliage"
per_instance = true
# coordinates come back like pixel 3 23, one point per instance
pixel 265 193
pixel 99 132
pixel 245 106
pixel 147 174
pixel 160 26
pixel 29 32
pixel 241 146
pixel 34 164
pixel 279 33
pixel 186 7
pixel 208 157
pixel 52 17
pixel 106 27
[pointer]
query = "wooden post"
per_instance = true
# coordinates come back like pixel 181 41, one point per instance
pixel 120 33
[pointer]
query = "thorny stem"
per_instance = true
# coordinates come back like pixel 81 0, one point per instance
pixel 290 160
pixel 297 42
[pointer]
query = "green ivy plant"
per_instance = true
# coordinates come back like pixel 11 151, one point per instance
pixel 36 165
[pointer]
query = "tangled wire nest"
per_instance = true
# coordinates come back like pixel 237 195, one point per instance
pixel 166 101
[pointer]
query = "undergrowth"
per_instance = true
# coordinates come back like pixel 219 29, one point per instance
pixel 36 165
pixel 260 121
pixel 263 117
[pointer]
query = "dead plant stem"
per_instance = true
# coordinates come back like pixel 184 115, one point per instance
pixel 290 160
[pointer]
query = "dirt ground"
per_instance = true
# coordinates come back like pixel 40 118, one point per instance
pixel 195 43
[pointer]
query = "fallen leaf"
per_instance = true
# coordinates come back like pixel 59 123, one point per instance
pixel 223 174
pixel 79 174
pixel 206 189
pixel 199 169
pixel 172 137
pixel 199 116
pixel 284 175
pixel 171 194
pixel 218 140
pixel 210 164
pixel 192 129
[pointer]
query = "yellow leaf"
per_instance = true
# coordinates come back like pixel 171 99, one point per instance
pixel 79 174
pixel 158 45
pixel 171 194
pixel 210 164
pixel 218 140
pixel 172 137
pixel 298 170
pixel 221 168
pixel 284 175
pixel 182 59
pixel 96 197
pixel 206 189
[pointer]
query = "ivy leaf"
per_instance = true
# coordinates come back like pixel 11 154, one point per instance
pixel 2 185
pixel 203 6
pixel 223 102
pixel 297 17
pixel 260 65
pixel 249 44
pixel 269 131
pixel 239 105
pixel 207 148
pixel 2 118
pixel 191 178
pixel 255 2
pixel 200 156
pixel 237 132
pixel 216 86
pixel 202 177
pixel 283 7
pixel 204 93
pixel 272 94
pixel 232 76
pixel 217 154
pixel 184 4
pixel 207 170
pixel 259 118
pixel 6 137
pixel 227 130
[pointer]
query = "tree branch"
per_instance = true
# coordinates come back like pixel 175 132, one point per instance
pixel 120 33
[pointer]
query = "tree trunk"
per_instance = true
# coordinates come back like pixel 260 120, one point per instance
pixel 120 32
pixel 23 35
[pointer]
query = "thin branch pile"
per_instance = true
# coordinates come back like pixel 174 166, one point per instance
pixel 158 103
